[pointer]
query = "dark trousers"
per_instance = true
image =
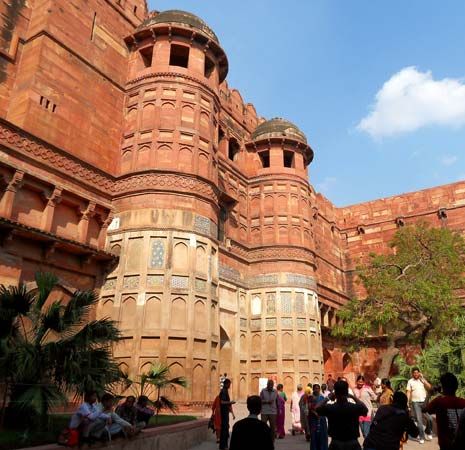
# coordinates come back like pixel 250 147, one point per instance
pixel 224 433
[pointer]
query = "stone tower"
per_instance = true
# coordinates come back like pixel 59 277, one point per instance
pixel 168 202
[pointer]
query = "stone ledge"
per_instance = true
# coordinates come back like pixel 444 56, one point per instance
pixel 179 436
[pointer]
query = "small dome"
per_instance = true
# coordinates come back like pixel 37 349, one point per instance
pixel 278 127
pixel 183 18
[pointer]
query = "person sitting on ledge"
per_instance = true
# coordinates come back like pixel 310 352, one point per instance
pixel 110 424
pixel 144 412
pixel 128 412
pixel 87 416
pixel 251 433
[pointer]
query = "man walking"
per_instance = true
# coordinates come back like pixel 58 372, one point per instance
pixel 417 388
pixel 365 394
pixel 225 408
pixel 343 417
pixel 269 398
pixel 447 408
pixel 251 433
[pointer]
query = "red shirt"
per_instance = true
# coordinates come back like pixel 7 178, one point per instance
pixel 447 410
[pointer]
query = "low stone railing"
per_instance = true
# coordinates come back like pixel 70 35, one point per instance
pixel 180 436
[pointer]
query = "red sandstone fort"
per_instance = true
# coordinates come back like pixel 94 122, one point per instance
pixel 128 165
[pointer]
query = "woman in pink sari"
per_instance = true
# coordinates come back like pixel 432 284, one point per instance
pixel 281 400
pixel 295 410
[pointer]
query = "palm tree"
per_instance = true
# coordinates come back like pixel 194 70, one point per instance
pixel 158 376
pixel 50 348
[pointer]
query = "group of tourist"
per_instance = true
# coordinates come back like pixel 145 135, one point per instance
pixel 99 421
pixel 384 418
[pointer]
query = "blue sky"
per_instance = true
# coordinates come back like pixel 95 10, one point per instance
pixel 378 87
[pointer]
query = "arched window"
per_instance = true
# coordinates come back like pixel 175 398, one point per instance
pixel 233 149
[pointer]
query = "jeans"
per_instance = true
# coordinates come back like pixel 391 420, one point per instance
pixel 365 427
pixel 418 416
pixel 224 433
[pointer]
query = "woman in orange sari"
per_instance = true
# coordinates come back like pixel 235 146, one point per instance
pixel 216 414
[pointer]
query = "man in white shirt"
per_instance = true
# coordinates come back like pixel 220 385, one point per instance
pixel 269 397
pixel 417 391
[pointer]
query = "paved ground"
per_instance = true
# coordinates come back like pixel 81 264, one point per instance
pixel 298 442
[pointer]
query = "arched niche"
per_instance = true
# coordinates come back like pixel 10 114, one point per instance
pixel 201 259
pixel 180 256
pixel 128 313
pixel 152 316
pixel 178 314
pixel 200 316
pixel 198 383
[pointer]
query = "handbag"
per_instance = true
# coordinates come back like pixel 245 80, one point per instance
pixel 69 437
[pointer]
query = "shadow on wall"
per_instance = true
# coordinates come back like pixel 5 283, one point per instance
pixel 13 10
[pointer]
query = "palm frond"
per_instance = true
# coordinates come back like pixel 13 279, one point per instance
pixel 46 281
pixel 97 332
pixel 165 403
pixel 39 398
pixel 16 298
pixel 78 307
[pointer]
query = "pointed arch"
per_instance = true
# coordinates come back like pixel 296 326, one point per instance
pixel 287 344
pixel 198 383
pixel 178 314
pixel 180 256
pixel 152 313
pixel 200 316
pixel 128 313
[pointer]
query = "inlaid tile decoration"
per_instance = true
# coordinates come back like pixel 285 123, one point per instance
pixel 299 303
pixel 286 322
pixel 271 322
pixel 286 302
pixel 154 280
pixel 301 323
pixel 202 225
pixel 131 282
pixel 110 284
pixel 300 280
pixel 178 282
pixel 200 285
pixel 243 323
pixel 157 255
pixel 256 324
pixel 271 303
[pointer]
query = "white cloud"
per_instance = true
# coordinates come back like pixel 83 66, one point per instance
pixel 411 99
pixel 326 184
pixel 448 160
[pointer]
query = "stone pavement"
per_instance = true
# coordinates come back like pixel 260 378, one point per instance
pixel 297 442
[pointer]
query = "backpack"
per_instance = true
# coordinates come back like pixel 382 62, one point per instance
pixel 69 437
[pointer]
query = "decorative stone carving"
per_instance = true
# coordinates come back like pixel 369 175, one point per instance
pixel 200 285
pixel 179 282
pixel 110 284
pixel 157 255
pixel 299 302
pixel 256 324
pixel 286 302
pixel 243 323
pixel 131 282
pixel 271 303
pixel 301 323
pixel 271 322
pixel 155 280
pixel 286 322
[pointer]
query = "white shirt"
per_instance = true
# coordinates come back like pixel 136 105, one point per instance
pixel 87 411
pixel 269 396
pixel 418 390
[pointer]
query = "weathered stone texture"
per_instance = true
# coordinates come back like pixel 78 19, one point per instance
pixel 127 164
